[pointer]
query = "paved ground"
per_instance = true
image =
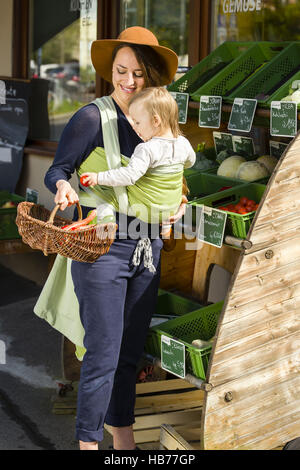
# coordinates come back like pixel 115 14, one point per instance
pixel 30 364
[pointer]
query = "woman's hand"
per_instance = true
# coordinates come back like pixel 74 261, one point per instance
pixel 181 211
pixel 65 195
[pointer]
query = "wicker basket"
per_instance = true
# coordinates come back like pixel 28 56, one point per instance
pixel 41 229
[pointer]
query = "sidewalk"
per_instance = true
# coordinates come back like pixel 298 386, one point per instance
pixel 30 364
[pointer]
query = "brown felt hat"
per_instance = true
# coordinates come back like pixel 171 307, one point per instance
pixel 102 50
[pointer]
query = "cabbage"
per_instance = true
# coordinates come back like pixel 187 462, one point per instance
pixel 269 162
pixel 251 171
pixel 229 166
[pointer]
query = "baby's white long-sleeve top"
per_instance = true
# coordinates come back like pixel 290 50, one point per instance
pixel 156 152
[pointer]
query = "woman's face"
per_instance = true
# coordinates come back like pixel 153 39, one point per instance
pixel 127 76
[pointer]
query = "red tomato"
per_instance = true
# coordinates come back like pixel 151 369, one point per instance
pixel 251 203
pixel 231 208
pixel 243 200
pixel 82 181
pixel 238 206
pixel 242 210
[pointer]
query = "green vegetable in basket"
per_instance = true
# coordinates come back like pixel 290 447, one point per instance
pixel 251 171
pixel 202 162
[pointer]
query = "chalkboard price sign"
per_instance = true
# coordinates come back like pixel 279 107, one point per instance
pixel 283 118
pixel 242 114
pixel 243 145
pixel 210 111
pixel 173 356
pixel 277 148
pixel 211 225
pixel 222 141
pixel 182 99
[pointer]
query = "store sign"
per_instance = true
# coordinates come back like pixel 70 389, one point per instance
pixel 242 114
pixel 222 141
pixel 173 356
pixel 210 111
pixel 243 145
pixel 277 148
pixel 283 118
pixel 236 6
pixel 182 100
pixel 211 226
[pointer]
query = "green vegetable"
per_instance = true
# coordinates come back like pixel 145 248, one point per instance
pixel 202 161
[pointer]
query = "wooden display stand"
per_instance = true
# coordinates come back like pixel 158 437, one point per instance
pixel 251 395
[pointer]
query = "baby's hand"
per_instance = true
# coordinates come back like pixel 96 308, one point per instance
pixel 89 179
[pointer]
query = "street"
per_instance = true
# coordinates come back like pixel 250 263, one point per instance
pixel 30 365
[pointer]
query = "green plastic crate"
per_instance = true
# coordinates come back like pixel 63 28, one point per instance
pixel 213 171
pixel 233 75
pixel 8 227
pixel 173 304
pixel 200 324
pixel 265 84
pixel 283 91
pixel 209 66
pixel 203 184
pixel 237 224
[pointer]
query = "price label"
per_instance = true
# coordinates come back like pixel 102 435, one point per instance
pixel 210 111
pixel 283 118
pixel 242 114
pixel 277 148
pixel 222 141
pixel 243 145
pixel 182 100
pixel 210 224
pixel 173 356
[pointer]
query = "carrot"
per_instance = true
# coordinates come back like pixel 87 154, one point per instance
pixel 81 223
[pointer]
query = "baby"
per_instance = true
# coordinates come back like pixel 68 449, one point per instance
pixel 165 151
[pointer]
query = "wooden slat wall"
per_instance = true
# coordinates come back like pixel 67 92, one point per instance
pixel 257 352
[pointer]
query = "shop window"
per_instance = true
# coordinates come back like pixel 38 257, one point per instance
pixel 255 20
pixel 61 35
pixel 167 19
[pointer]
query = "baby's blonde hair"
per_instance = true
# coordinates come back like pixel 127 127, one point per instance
pixel 157 100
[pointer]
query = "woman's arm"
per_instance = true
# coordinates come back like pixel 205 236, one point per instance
pixel 80 136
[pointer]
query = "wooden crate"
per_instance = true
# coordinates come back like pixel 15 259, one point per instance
pixel 173 402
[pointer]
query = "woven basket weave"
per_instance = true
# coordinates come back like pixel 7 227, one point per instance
pixel 41 229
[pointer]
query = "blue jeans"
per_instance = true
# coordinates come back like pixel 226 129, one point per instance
pixel 117 301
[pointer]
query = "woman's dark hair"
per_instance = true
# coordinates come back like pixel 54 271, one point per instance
pixel 151 64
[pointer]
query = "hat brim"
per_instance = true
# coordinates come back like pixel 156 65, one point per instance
pixel 101 55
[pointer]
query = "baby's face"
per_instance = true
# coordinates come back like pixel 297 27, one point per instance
pixel 143 123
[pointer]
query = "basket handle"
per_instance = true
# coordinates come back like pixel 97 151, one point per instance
pixel 53 213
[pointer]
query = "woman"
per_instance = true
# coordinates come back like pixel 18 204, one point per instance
pixel 116 298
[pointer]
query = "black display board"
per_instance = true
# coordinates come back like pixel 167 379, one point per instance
pixel 23 114
pixel 14 125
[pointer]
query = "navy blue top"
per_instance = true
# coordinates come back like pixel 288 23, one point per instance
pixel 80 137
